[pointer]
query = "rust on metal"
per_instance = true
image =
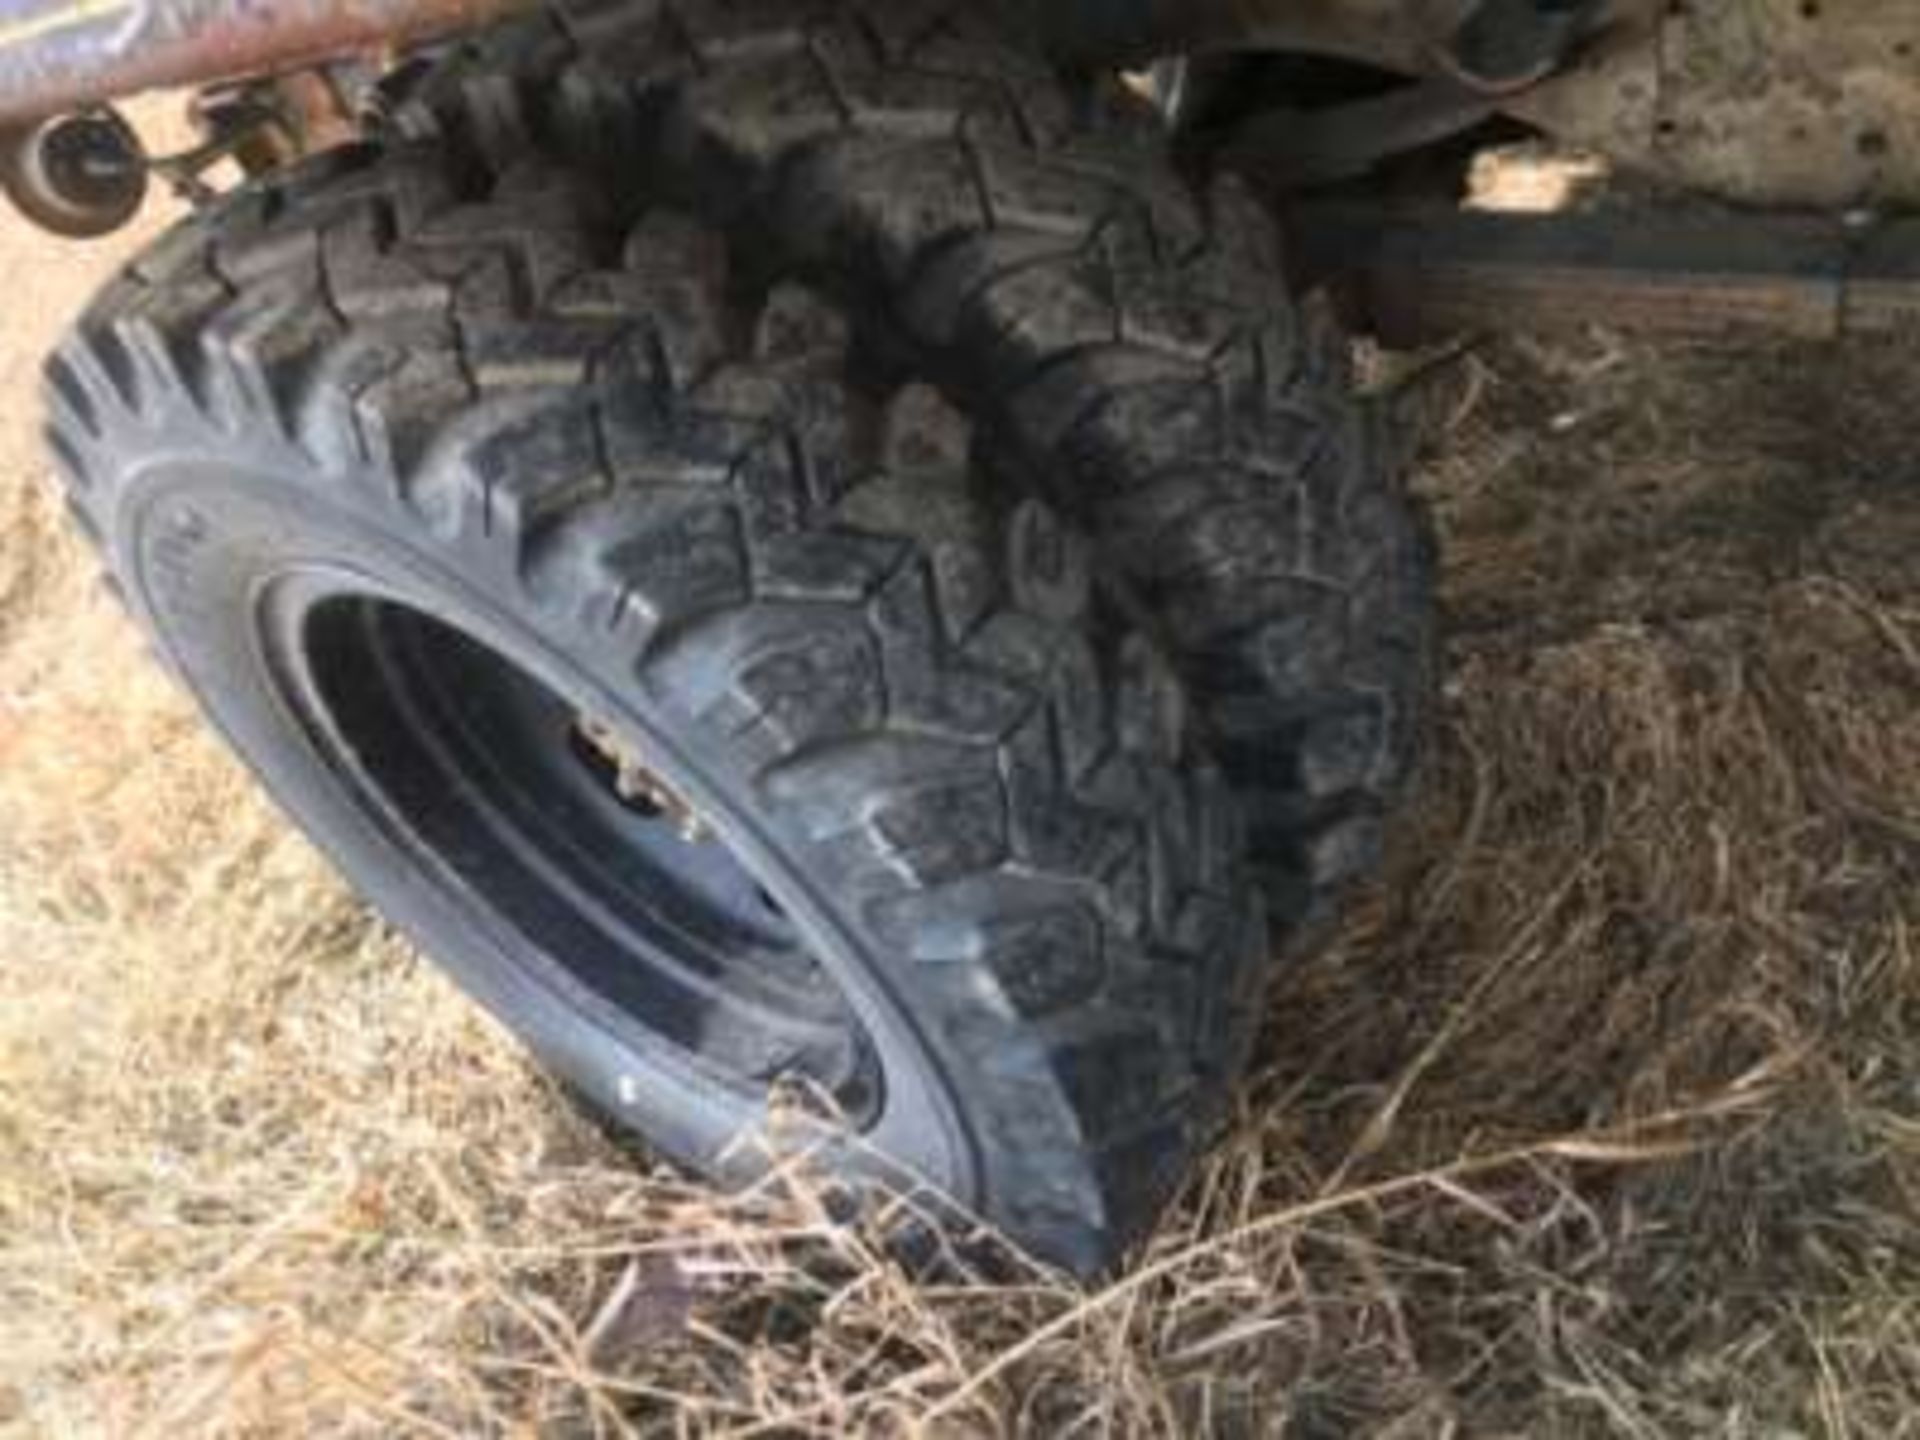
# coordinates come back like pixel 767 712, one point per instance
pixel 1415 276
pixel 1766 102
pixel 1805 103
pixel 58 55
pixel 1763 102
pixel 635 783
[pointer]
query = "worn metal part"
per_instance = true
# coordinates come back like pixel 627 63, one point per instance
pixel 240 123
pixel 81 176
pixel 635 783
pixel 320 112
pixel 1412 276
pixel 1766 102
pixel 1805 103
pixel 60 55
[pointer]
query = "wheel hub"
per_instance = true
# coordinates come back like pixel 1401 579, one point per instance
pixel 556 821
pixel 635 783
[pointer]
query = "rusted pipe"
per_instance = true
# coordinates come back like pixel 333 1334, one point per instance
pixel 61 55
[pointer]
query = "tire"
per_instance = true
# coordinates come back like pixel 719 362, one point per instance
pixel 1129 345
pixel 501 532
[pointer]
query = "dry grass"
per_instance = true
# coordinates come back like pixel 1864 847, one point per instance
pixel 1602 1116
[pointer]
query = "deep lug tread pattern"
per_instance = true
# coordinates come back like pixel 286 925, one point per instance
pixel 1032 248
pixel 917 674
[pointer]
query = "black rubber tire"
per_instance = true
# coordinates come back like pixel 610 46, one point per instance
pixel 1027 245
pixel 547 418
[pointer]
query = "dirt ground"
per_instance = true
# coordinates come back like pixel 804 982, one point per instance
pixel 1600 1117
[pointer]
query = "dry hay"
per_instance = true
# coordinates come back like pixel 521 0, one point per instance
pixel 1601 1116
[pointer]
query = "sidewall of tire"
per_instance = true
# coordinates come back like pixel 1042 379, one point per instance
pixel 198 540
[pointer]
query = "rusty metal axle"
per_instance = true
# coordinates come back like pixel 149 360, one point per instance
pixel 61 55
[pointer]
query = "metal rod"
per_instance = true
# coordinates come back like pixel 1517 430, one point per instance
pixel 61 55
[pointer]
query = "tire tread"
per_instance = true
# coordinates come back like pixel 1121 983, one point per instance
pixel 695 488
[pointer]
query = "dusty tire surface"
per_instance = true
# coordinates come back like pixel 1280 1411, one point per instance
pixel 1122 334
pixel 401 391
